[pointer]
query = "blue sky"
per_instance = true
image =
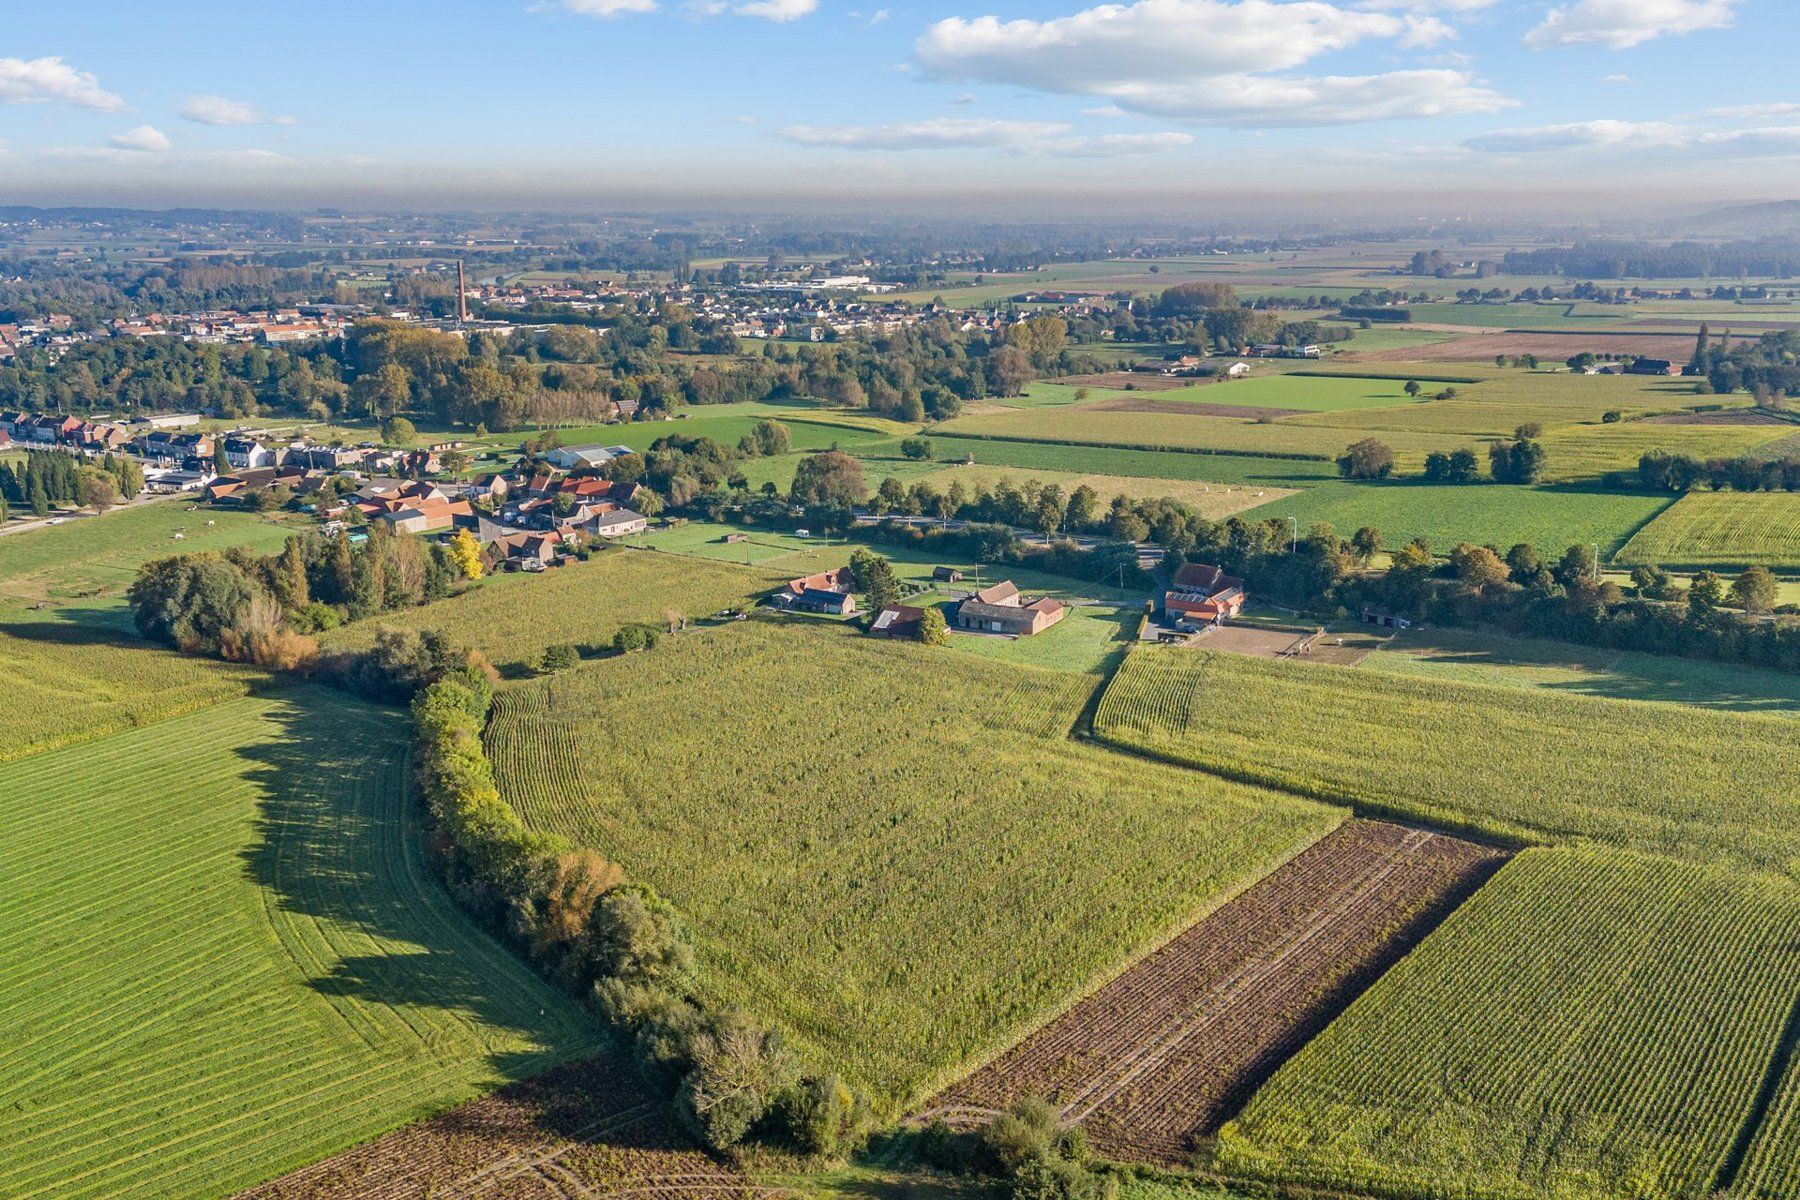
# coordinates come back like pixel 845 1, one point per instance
pixel 606 103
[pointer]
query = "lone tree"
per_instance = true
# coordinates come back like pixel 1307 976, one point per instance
pixel 832 477
pixel 933 629
pixel 1367 459
pixel 1754 590
pixel 1412 388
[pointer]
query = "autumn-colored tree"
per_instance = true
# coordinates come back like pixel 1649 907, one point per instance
pixel 465 552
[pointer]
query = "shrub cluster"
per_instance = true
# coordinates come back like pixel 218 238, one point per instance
pixel 620 944
pixel 1027 1146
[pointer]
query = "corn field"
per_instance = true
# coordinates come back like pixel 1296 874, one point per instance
pixel 891 851
pixel 1592 1023
pixel 1533 765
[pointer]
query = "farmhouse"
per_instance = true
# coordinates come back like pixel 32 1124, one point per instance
pixel 427 515
pixel 898 621
pixel 569 458
pixel 244 453
pixel 618 522
pixel 1000 609
pixel 1653 366
pixel 1203 593
pixel 946 575
pixel 837 604
pixel 522 551
pixel 838 579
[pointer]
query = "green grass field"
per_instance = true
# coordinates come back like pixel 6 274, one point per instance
pixel 101 555
pixel 1181 432
pixel 1482 513
pixel 890 850
pixel 1710 787
pixel 67 681
pixel 1723 530
pixel 1554 315
pixel 1152 464
pixel 1215 501
pixel 1495 407
pixel 1309 393
pixel 223 955
pixel 1590 1024
pixel 1466 656
pixel 511 618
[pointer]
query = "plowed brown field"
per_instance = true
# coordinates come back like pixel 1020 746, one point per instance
pixel 1169 1050
pixel 586 1131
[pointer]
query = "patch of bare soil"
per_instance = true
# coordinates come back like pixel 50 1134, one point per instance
pixel 1167 1052
pixel 584 1131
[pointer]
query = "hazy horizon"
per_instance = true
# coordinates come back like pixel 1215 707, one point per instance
pixel 1572 110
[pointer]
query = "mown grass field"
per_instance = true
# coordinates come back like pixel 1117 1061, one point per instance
pixel 1215 501
pixel 223 954
pixel 1722 530
pixel 1592 1023
pixel 1482 513
pixel 67 682
pixel 92 556
pixel 1494 408
pixel 1181 432
pixel 1554 315
pixel 512 617
pixel 1702 786
pixel 1309 393
pixel 1467 656
pixel 1152 464
pixel 890 850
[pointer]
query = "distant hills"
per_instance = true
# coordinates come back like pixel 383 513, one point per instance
pixel 1774 219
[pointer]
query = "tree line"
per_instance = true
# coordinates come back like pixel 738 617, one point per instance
pixel 616 944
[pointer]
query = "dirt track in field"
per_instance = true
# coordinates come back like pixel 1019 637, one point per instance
pixel 1189 408
pixel 1168 1051
pixel 585 1131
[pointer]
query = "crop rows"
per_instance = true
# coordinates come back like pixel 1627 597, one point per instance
pixel 892 851
pixel 248 960
pixel 586 1129
pixel 1166 1051
pixel 1591 1023
pixel 1534 765
pixel 1722 530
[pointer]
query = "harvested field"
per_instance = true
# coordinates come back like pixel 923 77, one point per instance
pixel 589 1129
pixel 1192 408
pixel 1126 381
pixel 1169 1050
pixel 1728 416
pixel 1253 640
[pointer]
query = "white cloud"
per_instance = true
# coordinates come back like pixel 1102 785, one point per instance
pixel 937 133
pixel 1740 112
pixel 1048 138
pixel 1449 6
pixel 1622 24
pixel 776 10
pixel 609 8
pixel 1208 61
pixel 1607 136
pixel 218 110
pixel 1265 100
pixel 1113 145
pixel 46 80
pixel 1618 79
pixel 145 139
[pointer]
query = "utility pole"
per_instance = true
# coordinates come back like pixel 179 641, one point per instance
pixel 462 295
pixel 1294 538
pixel 1596 571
